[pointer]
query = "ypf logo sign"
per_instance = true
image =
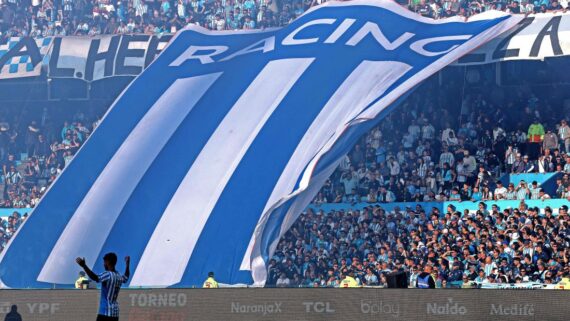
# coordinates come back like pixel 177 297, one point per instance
pixel 31 308
pixel 447 308
pixel 318 307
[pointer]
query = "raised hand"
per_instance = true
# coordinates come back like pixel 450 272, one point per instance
pixel 127 268
pixel 81 261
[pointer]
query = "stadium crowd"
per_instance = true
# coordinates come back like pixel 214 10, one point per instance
pixel 8 227
pixel 419 155
pixel 491 245
pixel 422 155
pixel 32 156
pixel 41 18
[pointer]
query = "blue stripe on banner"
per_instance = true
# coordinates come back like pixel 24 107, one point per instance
pixel 62 201
pixel 198 193
pixel 270 163
pixel 147 203
pixel 338 39
pixel 259 170
pixel 120 177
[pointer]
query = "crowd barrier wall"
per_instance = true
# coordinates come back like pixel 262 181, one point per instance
pixel 9 211
pixel 555 204
pixel 292 304
pixel 442 206
pixel 547 181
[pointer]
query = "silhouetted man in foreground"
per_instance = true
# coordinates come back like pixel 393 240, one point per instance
pixel 111 282
pixel 13 315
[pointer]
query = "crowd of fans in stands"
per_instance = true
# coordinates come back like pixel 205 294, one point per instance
pixel 423 155
pixel 491 245
pixel 9 226
pixel 32 156
pixel 442 9
pixel 419 155
pixel 41 18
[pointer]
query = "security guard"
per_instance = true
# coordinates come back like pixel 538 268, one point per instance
pixel 82 282
pixel 425 279
pixel 349 281
pixel 564 284
pixel 210 282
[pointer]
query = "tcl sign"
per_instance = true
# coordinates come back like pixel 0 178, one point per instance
pixel 318 307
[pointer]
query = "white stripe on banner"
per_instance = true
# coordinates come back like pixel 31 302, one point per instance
pixel 364 85
pixel 258 265
pixel 175 236
pixel 87 230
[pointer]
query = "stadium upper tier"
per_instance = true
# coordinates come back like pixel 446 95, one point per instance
pixel 94 17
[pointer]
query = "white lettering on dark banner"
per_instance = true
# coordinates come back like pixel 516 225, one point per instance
pixel 87 58
pixel 516 309
pixel 448 308
pixel 103 56
pixel 158 300
pixel 536 37
pixel 263 309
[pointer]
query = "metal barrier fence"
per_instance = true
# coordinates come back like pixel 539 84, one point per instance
pixel 290 304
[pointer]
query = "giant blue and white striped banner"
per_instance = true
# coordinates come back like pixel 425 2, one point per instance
pixel 210 155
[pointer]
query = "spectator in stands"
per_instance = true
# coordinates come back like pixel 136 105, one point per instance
pixel 550 142
pixel 534 191
pixel 283 281
pixel 522 191
pixel 535 138
pixel 9 226
pixel 564 134
pixel 500 192
pixel 542 195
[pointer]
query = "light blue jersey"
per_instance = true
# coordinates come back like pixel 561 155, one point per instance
pixel 110 286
